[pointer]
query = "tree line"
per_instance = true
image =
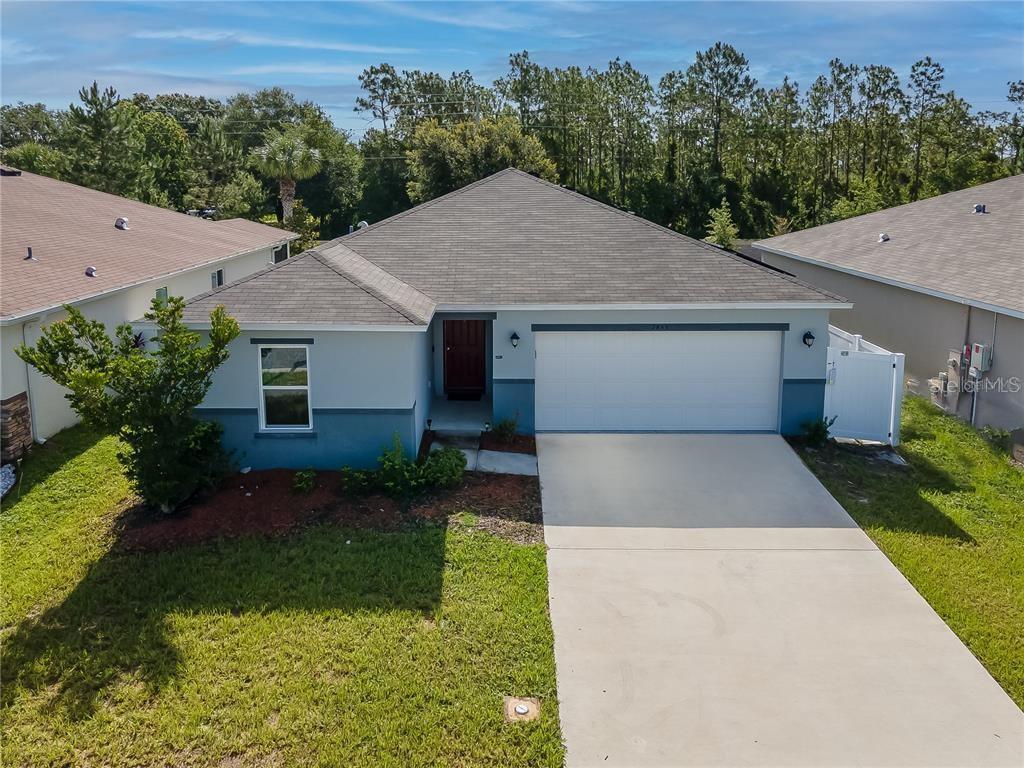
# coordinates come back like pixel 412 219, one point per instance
pixel 704 141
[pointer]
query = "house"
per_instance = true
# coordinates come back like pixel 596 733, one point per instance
pixel 941 280
pixel 108 256
pixel 511 298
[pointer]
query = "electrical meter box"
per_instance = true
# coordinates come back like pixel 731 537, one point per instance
pixel 981 357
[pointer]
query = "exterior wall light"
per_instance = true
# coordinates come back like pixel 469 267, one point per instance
pixel 514 338
pixel 809 339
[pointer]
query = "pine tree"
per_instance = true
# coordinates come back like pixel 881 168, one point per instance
pixel 721 230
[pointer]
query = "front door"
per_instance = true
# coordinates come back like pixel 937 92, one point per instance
pixel 464 358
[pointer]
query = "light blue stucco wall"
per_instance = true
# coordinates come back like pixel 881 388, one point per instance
pixel 365 386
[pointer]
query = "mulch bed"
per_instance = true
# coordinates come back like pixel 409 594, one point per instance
pixel 517 444
pixel 264 503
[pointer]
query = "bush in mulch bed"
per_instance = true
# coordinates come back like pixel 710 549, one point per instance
pixel 265 503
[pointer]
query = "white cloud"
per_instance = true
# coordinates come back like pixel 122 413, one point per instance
pixel 299 69
pixel 492 17
pixel 201 35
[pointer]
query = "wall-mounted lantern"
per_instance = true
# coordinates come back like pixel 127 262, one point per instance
pixel 514 338
pixel 809 339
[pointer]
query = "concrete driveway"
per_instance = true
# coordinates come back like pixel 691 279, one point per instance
pixel 713 605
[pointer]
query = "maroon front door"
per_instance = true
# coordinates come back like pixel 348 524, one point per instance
pixel 464 358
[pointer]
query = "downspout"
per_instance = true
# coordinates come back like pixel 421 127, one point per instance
pixel 28 392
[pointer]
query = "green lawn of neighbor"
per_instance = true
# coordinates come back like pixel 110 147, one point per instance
pixel 952 522
pixel 326 647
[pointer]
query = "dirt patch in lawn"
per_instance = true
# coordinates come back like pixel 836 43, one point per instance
pixel 516 444
pixel 265 503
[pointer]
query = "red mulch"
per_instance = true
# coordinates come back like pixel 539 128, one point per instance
pixel 264 503
pixel 518 444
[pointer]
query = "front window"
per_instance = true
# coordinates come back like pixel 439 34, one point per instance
pixel 284 387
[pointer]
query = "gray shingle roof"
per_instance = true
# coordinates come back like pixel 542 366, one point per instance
pixel 938 244
pixel 70 227
pixel 304 289
pixel 505 240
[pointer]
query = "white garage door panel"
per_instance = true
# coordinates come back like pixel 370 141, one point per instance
pixel 657 380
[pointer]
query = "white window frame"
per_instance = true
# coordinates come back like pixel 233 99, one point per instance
pixel 217 278
pixel 264 427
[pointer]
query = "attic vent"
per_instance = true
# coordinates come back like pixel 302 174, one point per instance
pixel 29 256
pixel 979 208
pixel 90 271
pixel 882 237
pixel 362 225
pixel 121 222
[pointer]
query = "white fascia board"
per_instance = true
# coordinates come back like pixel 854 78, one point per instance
pixel 693 305
pixel 999 310
pixel 32 314
pixel 301 327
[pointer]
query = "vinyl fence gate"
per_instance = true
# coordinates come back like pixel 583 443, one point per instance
pixel 863 388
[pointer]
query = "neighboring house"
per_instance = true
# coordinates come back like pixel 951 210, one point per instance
pixel 510 298
pixel 931 279
pixel 62 244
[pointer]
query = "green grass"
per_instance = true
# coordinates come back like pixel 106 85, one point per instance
pixel 327 647
pixel 953 523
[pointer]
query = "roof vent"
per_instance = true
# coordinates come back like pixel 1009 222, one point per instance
pixel 5 171
pixel 121 222
pixel 90 271
pixel 362 225
pixel 29 256
pixel 882 237
pixel 979 208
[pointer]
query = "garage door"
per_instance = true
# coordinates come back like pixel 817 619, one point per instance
pixel 657 380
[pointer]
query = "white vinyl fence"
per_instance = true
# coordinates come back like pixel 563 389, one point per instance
pixel 863 388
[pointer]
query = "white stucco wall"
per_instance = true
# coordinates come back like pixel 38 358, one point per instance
pixel 50 411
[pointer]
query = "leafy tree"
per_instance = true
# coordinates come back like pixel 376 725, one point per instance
pixel 442 159
pixel 721 230
pixel 37 158
pixel 286 158
pixel 381 85
pixel 306 225
pixel 241 197
pixel 865 198
pixel 146 398
pixel 383 176
pixel 20 123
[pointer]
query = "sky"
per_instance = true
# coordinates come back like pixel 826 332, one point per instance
pixel 316 50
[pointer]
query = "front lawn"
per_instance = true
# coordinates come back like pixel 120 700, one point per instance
pixel 327 646
pixel 952 522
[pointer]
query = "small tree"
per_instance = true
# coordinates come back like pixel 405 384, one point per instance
pixel 288 159
pixel 721 230
pixel 146 398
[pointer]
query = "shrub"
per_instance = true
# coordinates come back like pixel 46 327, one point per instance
pixel 444 468
pixel 398 476
pixel 146 397
pixel 815 433
pixel 358 482
pixel 505 429
pixel 304 481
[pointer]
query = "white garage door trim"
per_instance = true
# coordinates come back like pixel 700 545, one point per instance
pixel 681 377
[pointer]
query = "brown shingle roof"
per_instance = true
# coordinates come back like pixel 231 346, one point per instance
pixel 938 244
pixel 70 228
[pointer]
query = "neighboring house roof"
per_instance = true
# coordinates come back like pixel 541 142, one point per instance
pixel 509 239
pixel 70 228
pixel 937 246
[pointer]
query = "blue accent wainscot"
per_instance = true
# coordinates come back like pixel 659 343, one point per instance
pixel 513 399
pixel 803 400
pixel 353 437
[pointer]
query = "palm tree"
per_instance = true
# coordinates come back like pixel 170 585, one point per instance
pixel 286 157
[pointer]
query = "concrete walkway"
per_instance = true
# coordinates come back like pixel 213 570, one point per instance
pixel 714 606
